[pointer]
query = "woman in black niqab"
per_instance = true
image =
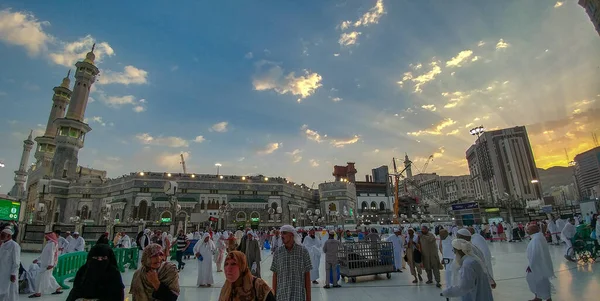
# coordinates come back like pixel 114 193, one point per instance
pixel 99 278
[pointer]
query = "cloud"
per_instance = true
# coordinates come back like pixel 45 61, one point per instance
pixel 249 55
pixel 558 4
pixel 344 142
pixel 295 154
pixel 372 16
pixel 138 105
pixel 24 29
pixel 75 51
pixel 313 163
pixel 199 139
pixel 431 108
pixel 347 39
pixel 455 98
pixel 273 78
pixel 502 45
pixel 95 119
pixel 459 58
pixel 147 139
pixel 336 99
pixel 480 44
pixel 220 127
pixel 435 129
pixel 171 161
pixel 312 135
pixel 174 68
pixel 423 78
pixel 130 75
pixel 269 149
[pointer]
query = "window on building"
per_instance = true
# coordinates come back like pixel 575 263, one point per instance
pixel 214 191
pixel 87 196
pixel 145 189
pixel 241 192
pixel 255 192
pixel 184 190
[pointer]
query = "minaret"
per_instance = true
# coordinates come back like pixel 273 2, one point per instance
pixel 46 145
pixel 18 190
pixel 407 166
pixel 71 129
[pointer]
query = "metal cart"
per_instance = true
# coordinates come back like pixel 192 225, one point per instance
pixel 366 258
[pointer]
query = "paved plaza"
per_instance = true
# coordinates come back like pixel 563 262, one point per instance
pixel 573 282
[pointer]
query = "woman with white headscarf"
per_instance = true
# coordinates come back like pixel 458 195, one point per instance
pixel 472 283
pixel 204 251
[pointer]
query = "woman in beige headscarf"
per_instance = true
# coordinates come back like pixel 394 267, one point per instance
pixel 239 284
pixel 155 280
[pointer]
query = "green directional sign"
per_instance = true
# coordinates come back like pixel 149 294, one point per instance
pixel 9 210
pixel 165 219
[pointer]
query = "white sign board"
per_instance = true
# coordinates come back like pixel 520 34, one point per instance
pixel 199 217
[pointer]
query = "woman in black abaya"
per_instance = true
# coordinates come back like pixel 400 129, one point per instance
pixel 99 278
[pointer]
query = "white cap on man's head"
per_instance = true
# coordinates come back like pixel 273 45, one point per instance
pixel 7 231
pixel 464 232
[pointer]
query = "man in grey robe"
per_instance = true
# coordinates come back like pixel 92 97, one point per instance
pixel 253 253
pixel 330 248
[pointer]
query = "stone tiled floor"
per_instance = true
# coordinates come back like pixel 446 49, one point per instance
pixel 573 282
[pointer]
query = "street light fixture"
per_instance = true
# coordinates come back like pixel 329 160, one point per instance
pixel 218 165
pixel 477 131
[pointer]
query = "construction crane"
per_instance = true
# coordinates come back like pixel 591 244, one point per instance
pixel 427 163
pixel 183 163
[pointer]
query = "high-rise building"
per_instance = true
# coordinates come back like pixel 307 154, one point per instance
pixel 345 173
pixel 592 8
pixel 587 172
pixel 380 174
pixel 502 166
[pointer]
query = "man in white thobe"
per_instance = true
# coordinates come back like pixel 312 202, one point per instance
pixel 540 268
pixel 553 229
pixel 397 241
pixel 204 250
pixel 470 276
pixel 45 282
pixel 313 245
pixel 63 243
pixel 560 225
pixel 77 244
pixel 479 241
pixel 124 241
pixel 467 234
pixel 10 258
pixel 567 233
pixel 447 255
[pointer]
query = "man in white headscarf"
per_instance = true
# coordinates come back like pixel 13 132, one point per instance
pixel 466 235
pixel 10 258
pixel 291 268
pixel 252 251
pixel 540 268
pixel 471 284
pixel 313 245
pixel 553 229
pixel 77 244
pixel 481 244
pixel 397 241
pixel 204 250
pixel 567 233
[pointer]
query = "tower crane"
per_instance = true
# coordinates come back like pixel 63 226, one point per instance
pixel 183 163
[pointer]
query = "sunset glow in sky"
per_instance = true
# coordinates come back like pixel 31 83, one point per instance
pixel 291 88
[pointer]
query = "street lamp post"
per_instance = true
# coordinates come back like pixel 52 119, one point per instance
pixel 218 165
pixel 314 217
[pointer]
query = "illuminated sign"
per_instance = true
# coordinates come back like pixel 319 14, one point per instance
pixel 165 220
pixel 492 209
pixel 464 206
pixel 255 219
pixel 9 210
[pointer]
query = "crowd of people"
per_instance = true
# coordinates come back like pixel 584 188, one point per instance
pixel 461 251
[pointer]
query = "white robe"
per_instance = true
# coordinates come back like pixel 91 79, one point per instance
pixel 30 275
pixel 448 253
pixel 478 241
pixel 205 267
pixel 10 257
pixel 63 243
pixel 566 234
pixel 45 282
pixel 398 243
pixel 125 242
pixel 553 229
pixel 76 245
pixel 540 264
pixel 313 246
pixel 472 285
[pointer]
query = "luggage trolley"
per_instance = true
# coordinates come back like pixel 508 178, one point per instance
pixel 365 258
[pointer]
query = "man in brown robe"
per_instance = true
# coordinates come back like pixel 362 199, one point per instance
pixel 253 254
pixel 430 255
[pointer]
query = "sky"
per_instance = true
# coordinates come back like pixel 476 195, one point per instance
pixel 291 88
